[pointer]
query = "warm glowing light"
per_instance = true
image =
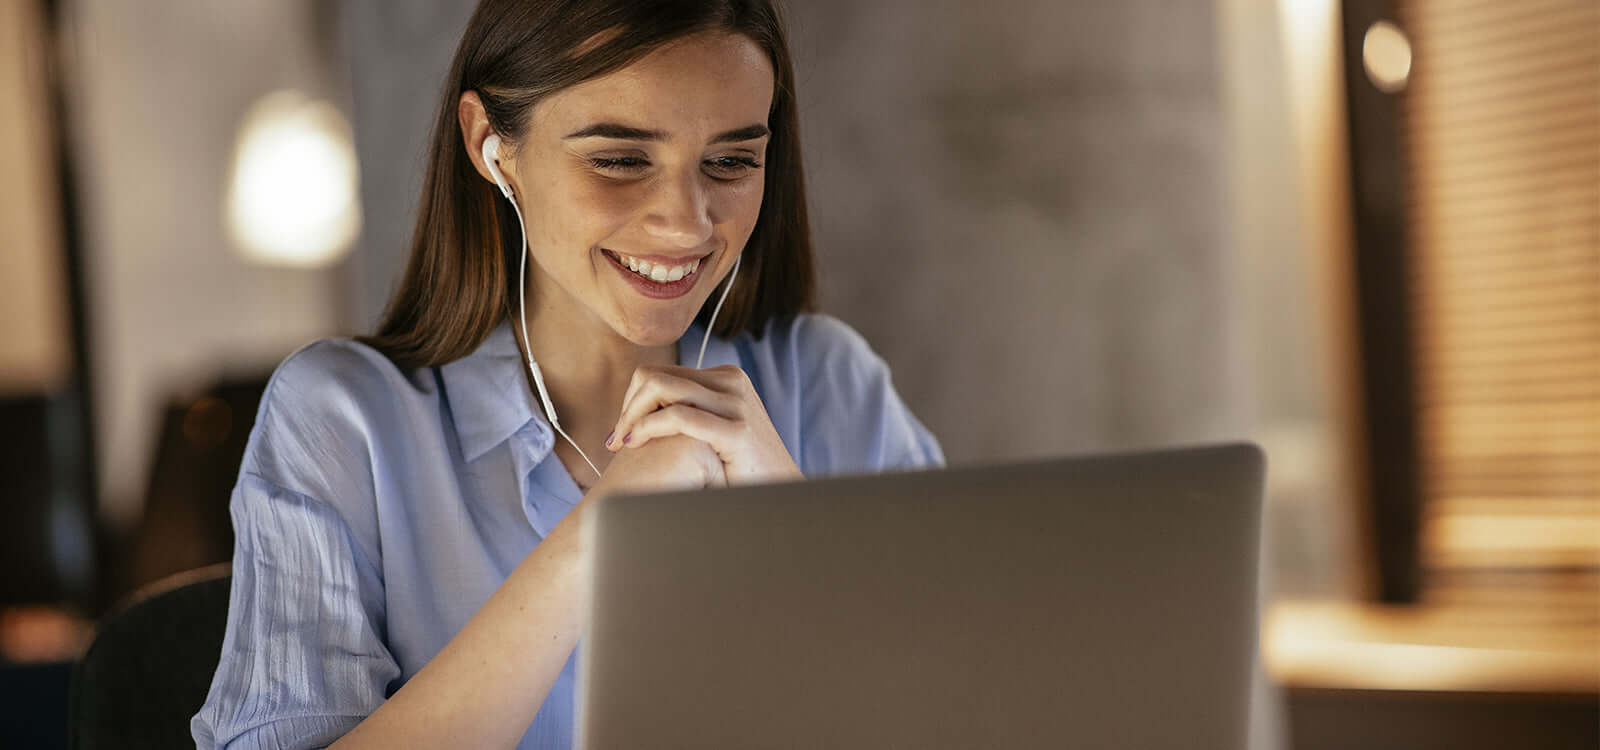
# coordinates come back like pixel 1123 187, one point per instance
pixel 1338 644
pixel 292 196
pixel 1386 53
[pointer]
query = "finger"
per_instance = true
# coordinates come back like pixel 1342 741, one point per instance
pixel 723 378
pixel 657 389
pixel 719 433
pixel 642 378
pixel 652 389
pixel 640 375
pixel 730 379
pixel 645 374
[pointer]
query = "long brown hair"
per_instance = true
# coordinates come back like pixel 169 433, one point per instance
pixel 458 284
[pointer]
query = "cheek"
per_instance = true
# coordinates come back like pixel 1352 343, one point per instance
pixel 739 205
pixel 577 213
pixel 600 204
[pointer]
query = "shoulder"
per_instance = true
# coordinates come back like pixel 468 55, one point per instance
pixel 817 342
pixel 812 359
pixel 823 379
pixel 322 413
pixel 336 367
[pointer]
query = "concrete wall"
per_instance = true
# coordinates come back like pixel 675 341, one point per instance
pixel 1021 204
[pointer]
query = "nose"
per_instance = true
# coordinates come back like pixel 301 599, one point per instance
pixel 680 213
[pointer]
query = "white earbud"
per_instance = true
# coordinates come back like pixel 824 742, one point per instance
pixel 491 157
pixel 491 154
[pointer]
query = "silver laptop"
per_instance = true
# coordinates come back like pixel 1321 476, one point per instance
pixel 1097 602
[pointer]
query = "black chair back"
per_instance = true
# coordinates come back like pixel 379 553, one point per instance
pixel 150 665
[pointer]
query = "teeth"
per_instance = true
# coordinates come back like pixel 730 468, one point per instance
pixel 658 273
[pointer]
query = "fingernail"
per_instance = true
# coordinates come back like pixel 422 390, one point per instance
pixel 611 437
pixel 626 437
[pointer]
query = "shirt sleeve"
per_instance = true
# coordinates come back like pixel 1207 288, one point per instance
pixel 304 657
pixel 852 419
pixel 302 661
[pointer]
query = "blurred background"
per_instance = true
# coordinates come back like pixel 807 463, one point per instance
pixel 1365 234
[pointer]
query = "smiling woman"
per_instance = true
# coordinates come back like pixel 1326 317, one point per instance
pixel 611 185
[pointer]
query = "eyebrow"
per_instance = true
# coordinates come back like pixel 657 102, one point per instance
pixel 628 133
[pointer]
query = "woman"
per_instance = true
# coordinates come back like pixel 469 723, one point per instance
pixel 408 513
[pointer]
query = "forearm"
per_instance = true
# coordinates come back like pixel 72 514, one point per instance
pixel 484 688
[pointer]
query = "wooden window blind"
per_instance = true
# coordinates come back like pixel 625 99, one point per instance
pixel 1501 120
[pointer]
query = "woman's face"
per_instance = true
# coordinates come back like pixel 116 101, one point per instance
pixel 659 163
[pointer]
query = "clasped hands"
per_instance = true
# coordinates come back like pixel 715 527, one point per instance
pixel 717 407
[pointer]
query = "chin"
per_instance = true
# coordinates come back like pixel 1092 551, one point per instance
pixel 654 329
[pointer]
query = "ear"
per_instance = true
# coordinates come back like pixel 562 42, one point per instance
pixel 475 129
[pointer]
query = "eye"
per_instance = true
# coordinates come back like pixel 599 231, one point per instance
pixel 619 164
pixel 730 167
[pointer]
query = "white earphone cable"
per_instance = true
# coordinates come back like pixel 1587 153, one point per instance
pixel 522 312
pixel 713 322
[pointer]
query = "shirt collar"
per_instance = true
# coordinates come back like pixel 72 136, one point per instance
pixel 491 399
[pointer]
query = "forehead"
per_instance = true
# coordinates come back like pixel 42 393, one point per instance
pixel 708 82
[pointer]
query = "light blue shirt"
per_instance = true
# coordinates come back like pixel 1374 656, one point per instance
pixel 377 510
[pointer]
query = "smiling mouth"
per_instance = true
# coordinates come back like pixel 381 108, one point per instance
pixel 659 273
